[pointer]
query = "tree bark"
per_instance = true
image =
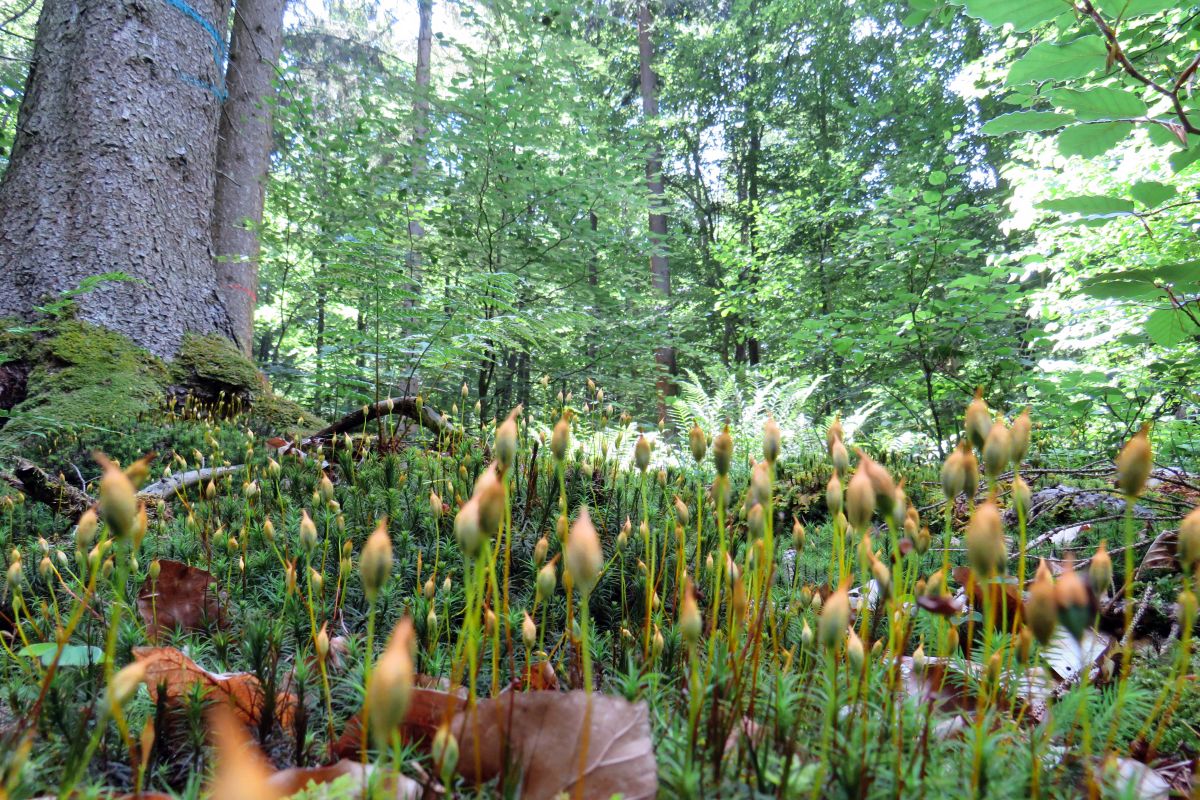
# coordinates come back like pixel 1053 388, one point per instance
pixel 420 127
pixel 113 167
pixel 243 156
pixel 660 271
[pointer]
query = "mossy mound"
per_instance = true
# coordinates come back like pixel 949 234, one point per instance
pixel 79 377
pixel 212 370
pixel 210 365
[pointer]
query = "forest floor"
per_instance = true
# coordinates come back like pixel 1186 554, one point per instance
pixel 827 658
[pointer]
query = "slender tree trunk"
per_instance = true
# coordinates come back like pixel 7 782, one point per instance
pixel 660 271
pixel 243 156
pixel 593 281
pixel 751 229
pixel 420 127
pixel 113 168
pixel 319 344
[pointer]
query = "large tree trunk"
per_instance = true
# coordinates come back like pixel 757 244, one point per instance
pixel 660 271
pixel 243 155
pixel 113 167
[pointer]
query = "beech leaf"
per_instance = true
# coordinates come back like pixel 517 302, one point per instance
pixel 181 597
pixel 545 733
pixel 169 670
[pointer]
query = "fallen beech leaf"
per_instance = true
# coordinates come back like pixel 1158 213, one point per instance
pixel 288 782
pixel 543 741
pixel 544 733
pixel 182 596
pixel 1012 602
pixel 1129 778
pixel 427 710
pixel 168 668
pixel 542 678
pixel 940 683
pixel 942 605
pixel 1161 555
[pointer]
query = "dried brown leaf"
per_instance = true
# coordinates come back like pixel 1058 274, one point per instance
pixel 545 732
pixel 942 605
pixel 1160 555
pixel 182 597
pixel 542 732
pixel 427 710
pixel 1006 598
pixel 169 670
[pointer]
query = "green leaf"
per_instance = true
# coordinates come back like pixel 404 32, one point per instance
pixel 1163 133
pixel 1184 159
pixel 937 178
pixel 1092 140
pixel 1167 327
pixel 1102 102
pixel 1152 193
pixel 1024 122
pixel 73 655
pixel 1088 205
pixel 1128 9
pixel 1021 14
pixel 1047 61
pixel 1184 276
pixel 1119 290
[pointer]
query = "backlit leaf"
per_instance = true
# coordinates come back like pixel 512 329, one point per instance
pixel 1088 204
pixel 1048 61
pixel 1026 121
pixel 1152 193
pixel 1021 14
pixel 1101 102
pixel 1092 140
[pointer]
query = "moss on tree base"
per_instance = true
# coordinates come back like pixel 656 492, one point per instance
pixel 77 376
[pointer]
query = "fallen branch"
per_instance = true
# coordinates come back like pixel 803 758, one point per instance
pixel 37 484
pixel 404 406
pixel 165 488
pixel 1107 518
pixel 1137 617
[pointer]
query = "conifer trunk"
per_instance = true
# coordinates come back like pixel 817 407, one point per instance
pixel 112 168
pixel 243 156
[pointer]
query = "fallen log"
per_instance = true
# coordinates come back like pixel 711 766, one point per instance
pixel 426 417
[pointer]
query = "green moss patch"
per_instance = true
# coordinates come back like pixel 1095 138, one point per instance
pixel 80 377
pixel 209 365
